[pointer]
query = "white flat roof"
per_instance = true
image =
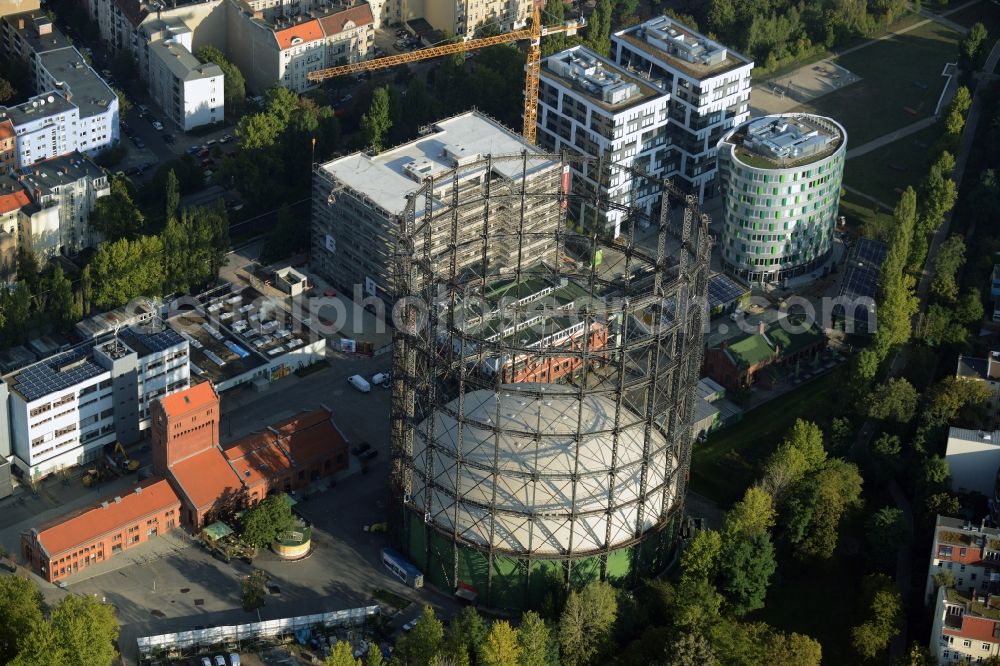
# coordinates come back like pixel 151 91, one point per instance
pixel 384 180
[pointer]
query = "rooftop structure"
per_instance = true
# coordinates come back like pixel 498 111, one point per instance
pixel 738 364
pixel 363 203
pixel 692 53
pixel 709 89
pixel 46 105
pixel 786 140
pixel 599 79
pixel 89 91
pixel 973 458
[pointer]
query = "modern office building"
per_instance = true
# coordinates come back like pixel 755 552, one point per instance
pixel 63 191
pixel 781 177
pixel 65 408
pixel 189 91
pixel 709 88
pixel 362 204
pixel 588 105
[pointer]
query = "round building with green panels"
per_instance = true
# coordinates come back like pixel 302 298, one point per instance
pixel 780 178
pixel 542 408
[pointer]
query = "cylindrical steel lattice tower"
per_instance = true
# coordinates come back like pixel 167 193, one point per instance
pixel 542 403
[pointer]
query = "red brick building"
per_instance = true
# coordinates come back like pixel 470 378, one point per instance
pixel 739 364
pixel 197 481
pixel 548 369
pixel 73 543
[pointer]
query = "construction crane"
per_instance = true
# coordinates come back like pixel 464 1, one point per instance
pixel 533 34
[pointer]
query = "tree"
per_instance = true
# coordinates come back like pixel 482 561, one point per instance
pixel 884 609
pixel 341 655
pixel 534 640
pixel 20 614
pixel 895 400
pixel 124 105
pixel 942 504
pixel 950 258
pixel 917 655
pixel 815 511
pixel 41 647
pixel 257 131
pixel 690 649
pixel 752 515
pixel 885 531
pixel 745 571
pixel 945 399
pixel 971 47
pixel 701 555
pixel 7 91
pixel 586 623
pixel 467 633
pixel 234 85
pixel 61 306
pixel 423 644
pixel 801 452
pixel 127 269
pixel 940 192
pixel 376 122
pixel 264 521
pixel 599 28
pixel 554 14
pixel 172 195
pixel 254 590
pixel 500 647
pixel 116 216
pixel 374 655
pixel 86 629
pixel 289 235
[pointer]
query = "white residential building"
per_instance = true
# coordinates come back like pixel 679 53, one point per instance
pixel 709 87
pixel 588 105
pixel 64 409
pixel 63 191
pixel 45 127
pixel 189 92
pixel 973 458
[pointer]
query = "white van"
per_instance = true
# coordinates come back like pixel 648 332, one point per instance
pixel 360 383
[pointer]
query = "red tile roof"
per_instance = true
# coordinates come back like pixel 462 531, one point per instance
pixel 295 441
pixel 198 396
pixel 14 201
pixel 206 477
pixel 308 31
pixel 258 457
pixel 359 15
pixel 133 11
pixel 975 628
pixel 86 527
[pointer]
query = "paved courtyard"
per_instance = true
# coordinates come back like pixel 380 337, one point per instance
pixel 798 87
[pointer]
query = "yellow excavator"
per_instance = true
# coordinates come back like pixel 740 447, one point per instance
pixel 120 459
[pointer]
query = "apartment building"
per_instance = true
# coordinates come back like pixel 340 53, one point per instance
pixel 963 584
pixel 13 198
pixel 8 146
pixel 72 543
pixel 780 178
pixel 709 89
pixel 61 79
pixel 63 191
pixel 588 105
pixel 189 92
pixel 283 48
pixel 360 203
pixel 65 408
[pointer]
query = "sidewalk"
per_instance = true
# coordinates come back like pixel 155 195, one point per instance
pixel 886 139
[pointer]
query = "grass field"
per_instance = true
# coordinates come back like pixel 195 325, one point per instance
pixel 899 73
pixel 724 466
pixel 985 12
pixel 892 167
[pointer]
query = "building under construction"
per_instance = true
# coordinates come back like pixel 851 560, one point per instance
pixel 542 401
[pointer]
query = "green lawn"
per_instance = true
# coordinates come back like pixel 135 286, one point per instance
pixel 890 71
pixel 819 601
pixel 886 172
pixel 986 12
pixel 723 467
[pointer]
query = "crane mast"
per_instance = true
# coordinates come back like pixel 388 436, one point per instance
pixel 532 34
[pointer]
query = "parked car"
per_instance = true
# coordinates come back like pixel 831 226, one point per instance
pixel 157 125
pixel 143 109
pixel 360 383
pixel 346 98
pixel 361 448
pixel 207 161
pixel 139 143
pixel 229 138
pixel 368 455
pixel 193 150
pixel 205 661
pixel 409 625
pixel 234 659
pixel 168 138
pixel 220 660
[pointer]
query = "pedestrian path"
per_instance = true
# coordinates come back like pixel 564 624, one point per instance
pixel 886 139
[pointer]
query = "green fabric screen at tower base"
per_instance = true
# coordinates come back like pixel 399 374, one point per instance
pixel 517 583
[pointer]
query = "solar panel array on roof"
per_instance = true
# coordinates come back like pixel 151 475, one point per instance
pixel 154 342
pixel 41 379
pixel 863 268
pixel 723 291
